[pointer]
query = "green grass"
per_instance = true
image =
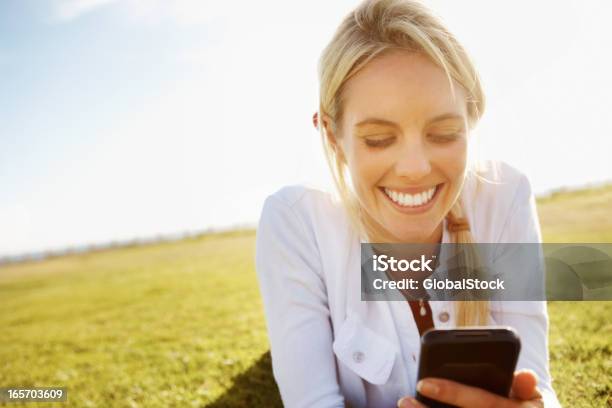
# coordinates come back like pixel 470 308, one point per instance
pixel 577 216
pixel 157 326
pixel 581 352
pixel 181 324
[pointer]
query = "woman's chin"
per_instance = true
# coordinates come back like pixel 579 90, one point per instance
pixel 410 236
pixel 420 233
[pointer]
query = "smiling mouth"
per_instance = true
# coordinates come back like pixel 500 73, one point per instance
pixel 406 200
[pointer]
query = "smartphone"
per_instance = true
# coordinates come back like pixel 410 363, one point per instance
pixel 483 357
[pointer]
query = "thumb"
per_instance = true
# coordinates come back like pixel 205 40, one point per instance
pixel 524 385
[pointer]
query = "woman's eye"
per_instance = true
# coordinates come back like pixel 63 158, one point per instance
pixel 444 138
pixel 379 142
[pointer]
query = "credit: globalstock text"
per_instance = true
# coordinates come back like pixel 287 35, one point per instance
pixel 384 263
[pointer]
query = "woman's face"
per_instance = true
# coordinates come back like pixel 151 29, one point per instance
pixel 404 138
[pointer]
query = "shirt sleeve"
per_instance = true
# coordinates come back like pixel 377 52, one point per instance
pixel 296 308
pixel 528 318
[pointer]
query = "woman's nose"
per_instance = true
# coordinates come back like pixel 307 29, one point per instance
pixel 412 162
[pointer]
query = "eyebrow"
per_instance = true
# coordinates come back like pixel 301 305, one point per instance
pixel 378 121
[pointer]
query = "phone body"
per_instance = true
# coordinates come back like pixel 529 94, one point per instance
pixel 483 357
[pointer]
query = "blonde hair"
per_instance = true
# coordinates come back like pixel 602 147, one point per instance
pixel 374 27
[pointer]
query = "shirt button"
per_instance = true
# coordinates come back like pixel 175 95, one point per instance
pixel 358 356
pixel 443 316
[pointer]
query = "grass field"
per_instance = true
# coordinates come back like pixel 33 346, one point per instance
pixel 577 216
pixel 181 324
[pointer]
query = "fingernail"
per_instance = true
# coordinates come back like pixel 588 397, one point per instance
pixel 408 402
pixel 427 388
pixel 530 371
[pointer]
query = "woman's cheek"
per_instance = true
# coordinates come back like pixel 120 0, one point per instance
pixel 453 160
pixel 366 173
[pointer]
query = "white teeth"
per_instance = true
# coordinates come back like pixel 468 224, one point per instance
pixel 411 200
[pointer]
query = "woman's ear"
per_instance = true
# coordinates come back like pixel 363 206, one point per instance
pixel 326 122
pixel 315 120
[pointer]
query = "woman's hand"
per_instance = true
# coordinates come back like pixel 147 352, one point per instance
pixel 524 393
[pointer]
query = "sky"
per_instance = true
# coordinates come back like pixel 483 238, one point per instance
pixel 122 119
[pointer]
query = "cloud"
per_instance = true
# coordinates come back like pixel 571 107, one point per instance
pixel 181 12
pixel 194 12
pixel 68 10
pixel 152 12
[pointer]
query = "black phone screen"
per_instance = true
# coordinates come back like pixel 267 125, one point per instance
pixel 480 358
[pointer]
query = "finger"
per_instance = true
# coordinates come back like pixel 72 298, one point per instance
pixel 524 385
pixel 409 402
pixel 462 395
pixel 532 404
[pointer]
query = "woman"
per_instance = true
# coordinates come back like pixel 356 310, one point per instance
pixel 398 96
